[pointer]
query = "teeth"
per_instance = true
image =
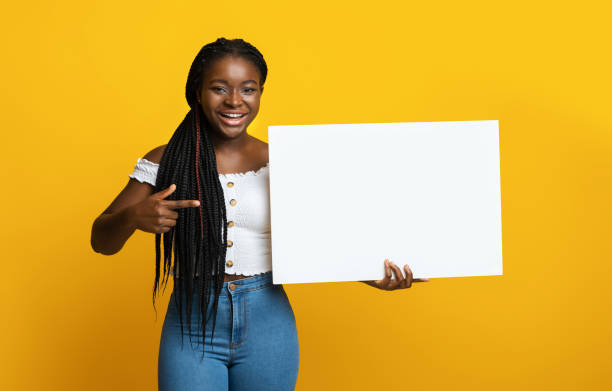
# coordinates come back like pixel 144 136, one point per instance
pixel 232 115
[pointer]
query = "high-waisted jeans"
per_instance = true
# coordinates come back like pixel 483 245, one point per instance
pixel 255 345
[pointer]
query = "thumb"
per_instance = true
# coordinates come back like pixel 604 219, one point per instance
pixel 165 193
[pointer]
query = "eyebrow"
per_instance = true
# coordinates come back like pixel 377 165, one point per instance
pixel 225 81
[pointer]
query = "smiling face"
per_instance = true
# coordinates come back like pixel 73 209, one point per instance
pixel 230 95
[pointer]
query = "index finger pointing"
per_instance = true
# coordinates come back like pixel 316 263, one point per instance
pixel 180 204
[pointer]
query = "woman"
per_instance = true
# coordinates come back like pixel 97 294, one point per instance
pixel 206 194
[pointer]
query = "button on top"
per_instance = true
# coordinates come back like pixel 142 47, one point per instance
pixel 230 224
pixel 232 286
pixel 230 243
pixel 233 202
pixel 229 263
pixel 230 184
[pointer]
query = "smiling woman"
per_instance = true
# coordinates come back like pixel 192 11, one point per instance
pixel 205 196
pixel 224 88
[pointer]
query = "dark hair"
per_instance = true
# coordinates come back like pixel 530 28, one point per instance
pixel 189 161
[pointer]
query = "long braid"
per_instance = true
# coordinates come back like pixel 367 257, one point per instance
pixel 199 238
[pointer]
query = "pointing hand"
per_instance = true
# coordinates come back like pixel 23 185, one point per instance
pixel 156 215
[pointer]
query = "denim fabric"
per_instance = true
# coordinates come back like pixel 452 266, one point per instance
pixel 255 346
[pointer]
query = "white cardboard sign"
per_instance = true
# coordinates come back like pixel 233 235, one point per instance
pixel 345 197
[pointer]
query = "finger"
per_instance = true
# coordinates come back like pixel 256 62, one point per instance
pixel 162 230
pixel 408 282
pixel 397 272
pixel 167 213
pixel 384 282
pixel 420 279
pixel 162 222
pixel 164 225
pixel 380 284
pixel 170 214
pixel 181 204
pixel 399 276
pixel 164 193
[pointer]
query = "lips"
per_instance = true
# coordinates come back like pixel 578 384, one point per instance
pixel 232 121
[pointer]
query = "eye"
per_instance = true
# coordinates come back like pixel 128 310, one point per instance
pixel 250 90
pixel 217 89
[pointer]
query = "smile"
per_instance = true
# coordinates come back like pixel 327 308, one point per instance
pixel 232 119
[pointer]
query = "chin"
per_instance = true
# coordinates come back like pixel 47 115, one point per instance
pixel 231 132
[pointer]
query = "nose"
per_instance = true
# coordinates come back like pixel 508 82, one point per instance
pixel 234 98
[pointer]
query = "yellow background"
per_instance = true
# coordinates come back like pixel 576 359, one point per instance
pixel 88 87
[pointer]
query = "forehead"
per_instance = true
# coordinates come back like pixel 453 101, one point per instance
pixel 232 69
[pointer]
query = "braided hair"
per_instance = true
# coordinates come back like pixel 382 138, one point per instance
pixel 189 161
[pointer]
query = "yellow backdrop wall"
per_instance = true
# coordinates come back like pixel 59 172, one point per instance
pixel 90 86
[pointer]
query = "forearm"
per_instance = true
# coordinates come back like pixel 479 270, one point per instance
pixel 110 231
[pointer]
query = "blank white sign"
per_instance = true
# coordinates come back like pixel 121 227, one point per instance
pixel 345 197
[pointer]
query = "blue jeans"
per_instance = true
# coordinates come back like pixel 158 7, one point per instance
pixel 255 346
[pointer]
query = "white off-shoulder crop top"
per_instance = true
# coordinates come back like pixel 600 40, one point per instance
pixel 247 201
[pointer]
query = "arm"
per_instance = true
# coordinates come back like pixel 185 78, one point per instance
pixel 117 223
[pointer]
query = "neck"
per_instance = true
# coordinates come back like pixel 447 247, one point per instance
pixel 230 146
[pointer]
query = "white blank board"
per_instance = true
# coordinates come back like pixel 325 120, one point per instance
pixel 344 197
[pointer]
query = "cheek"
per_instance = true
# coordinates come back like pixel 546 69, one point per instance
pixel 210 103
pixel 253 103
pixel 211 99
pixel 209 113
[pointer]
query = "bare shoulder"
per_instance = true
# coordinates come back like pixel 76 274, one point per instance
pixel 136 191
pixel 261 150
pixel 155 154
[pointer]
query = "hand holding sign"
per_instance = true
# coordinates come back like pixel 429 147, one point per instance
pixel 399 282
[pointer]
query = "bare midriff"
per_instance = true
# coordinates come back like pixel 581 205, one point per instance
pixel 232 277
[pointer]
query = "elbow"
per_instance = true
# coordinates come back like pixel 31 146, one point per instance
pixel 95 244
pixel 101 249
pixel 95 247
